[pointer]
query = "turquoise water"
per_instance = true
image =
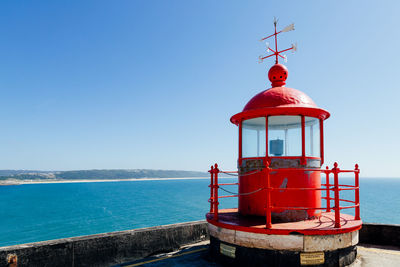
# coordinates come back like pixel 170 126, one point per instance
pixel 37 212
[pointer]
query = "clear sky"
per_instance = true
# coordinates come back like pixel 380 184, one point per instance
pixel 153 84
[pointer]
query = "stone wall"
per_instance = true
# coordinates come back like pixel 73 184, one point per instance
pixel 106 249
pixel 118 247
pixel 380 234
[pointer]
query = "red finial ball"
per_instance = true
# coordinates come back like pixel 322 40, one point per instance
pixel 278 74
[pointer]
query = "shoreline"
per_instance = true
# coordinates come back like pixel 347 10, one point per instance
pixel 21 182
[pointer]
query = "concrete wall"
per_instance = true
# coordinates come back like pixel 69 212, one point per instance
pixel 118 247
pixel 380 234
pixel 107 249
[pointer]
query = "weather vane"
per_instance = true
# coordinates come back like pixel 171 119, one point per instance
pixel 275 52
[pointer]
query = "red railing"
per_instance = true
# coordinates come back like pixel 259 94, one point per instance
pixel 327 187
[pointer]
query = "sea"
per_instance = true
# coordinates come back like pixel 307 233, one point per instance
pixel 38 212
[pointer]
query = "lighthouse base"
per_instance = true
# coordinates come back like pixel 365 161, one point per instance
pixel 234 255
pixel 244 240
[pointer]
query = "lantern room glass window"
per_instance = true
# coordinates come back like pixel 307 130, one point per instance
pixel 284 136
pixel 312 137
pixel 253 138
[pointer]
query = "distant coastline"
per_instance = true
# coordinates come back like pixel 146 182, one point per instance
pixel 21 182
pixel 16 177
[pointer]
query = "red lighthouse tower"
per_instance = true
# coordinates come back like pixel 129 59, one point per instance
pixel 286 216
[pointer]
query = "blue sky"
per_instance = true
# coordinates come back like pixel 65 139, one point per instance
pixel 153 84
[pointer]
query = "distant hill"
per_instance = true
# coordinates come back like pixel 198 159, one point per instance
pixel 13 172
pixel 97 174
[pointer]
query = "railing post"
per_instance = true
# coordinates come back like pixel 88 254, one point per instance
pixel 216 171
pixel 212 189
pixel 328 198
pixel 268 223
pixel 357 192
pixel 337 202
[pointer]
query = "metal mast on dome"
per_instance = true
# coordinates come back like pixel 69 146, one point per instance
pixel 275 52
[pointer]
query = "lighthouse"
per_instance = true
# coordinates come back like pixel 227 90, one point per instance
pixel 291 210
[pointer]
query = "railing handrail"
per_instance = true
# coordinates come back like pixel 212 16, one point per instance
pixel 336 187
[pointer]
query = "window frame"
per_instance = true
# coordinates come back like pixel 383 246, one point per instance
pixel 303 145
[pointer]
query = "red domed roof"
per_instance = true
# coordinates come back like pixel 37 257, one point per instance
pixel 280 97
pixel 279 100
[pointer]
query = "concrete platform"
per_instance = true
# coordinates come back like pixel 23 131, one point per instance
pixel 381 256
pixel 292 242
pixel 325 225
pixel 197 255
